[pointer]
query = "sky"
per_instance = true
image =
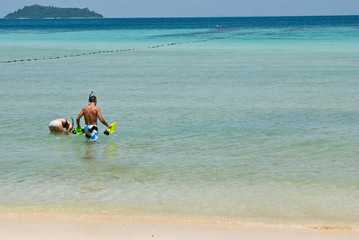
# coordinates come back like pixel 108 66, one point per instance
pixel 196 8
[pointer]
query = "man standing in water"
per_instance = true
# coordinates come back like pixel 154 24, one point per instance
pixel 91 113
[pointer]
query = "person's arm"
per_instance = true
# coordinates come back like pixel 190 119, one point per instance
pixel 69 126
pixel 79 117
pixel 101 118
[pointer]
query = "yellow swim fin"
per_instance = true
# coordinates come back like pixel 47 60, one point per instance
pixel 108 131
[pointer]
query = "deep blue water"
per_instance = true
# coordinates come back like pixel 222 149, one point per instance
pixel 178 23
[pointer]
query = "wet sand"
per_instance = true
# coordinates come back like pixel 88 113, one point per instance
pixel 31 228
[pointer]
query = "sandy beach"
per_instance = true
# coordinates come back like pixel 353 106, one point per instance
pixel 44 227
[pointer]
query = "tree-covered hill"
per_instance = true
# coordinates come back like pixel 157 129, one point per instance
pixel 39 12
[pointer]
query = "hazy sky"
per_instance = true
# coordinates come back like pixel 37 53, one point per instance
pixel 197 8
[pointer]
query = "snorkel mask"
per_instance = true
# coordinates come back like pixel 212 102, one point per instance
pixel 92 95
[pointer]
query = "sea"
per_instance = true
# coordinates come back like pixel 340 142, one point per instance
pixel 242 120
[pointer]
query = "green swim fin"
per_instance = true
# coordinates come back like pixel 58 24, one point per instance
pixel 78 131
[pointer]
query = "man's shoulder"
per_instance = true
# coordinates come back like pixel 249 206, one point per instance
pixel 91 108
pixel 95 109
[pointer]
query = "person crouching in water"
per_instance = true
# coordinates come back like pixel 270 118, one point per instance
pixel 60 126
pixel 91 113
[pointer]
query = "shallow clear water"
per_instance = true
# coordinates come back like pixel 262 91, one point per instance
pixel 252 123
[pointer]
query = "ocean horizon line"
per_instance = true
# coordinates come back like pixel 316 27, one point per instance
pixel 188 17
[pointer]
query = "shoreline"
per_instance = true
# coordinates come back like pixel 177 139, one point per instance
pixel 96 227
pixel 77 213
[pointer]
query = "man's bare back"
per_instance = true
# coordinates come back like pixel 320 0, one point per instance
pixel 91 113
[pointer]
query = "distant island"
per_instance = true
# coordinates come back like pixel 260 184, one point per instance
pixel 42 12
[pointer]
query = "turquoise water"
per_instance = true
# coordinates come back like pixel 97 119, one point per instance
pixel 250 124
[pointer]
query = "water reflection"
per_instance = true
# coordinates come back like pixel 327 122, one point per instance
pixel 91 151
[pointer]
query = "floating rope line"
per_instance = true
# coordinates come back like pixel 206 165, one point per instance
pixel 117 50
